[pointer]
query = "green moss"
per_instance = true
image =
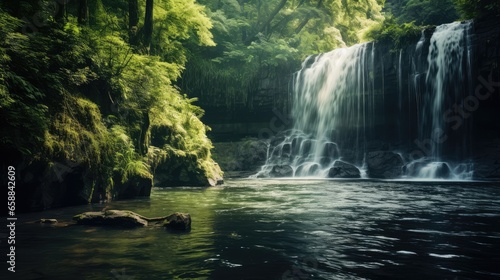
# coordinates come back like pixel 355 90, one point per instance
pixel 391 32
pixel 86 98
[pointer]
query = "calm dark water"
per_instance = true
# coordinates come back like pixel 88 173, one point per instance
pixel 264 229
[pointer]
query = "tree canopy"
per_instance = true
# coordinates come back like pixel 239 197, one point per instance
pixel 257 36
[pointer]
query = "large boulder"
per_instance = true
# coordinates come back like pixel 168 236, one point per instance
pixel 443 171
pixel 129 219
pixel 384 164
pixel 279 171
pixel 187 170
pixel 342 169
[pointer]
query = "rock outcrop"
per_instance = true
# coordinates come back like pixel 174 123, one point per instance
pixel 342 169
pixel 280 171
pixel 135 186
pixel 240 158
pixel 384 164
pixel 186 171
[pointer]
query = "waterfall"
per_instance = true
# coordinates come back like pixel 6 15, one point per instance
pixel 444 72
pixel 348 102
pixel 448 73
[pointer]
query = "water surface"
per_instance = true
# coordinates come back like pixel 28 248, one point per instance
pixel 281 229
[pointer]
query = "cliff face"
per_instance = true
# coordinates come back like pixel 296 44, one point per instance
pixel 486 127
pixel 397 92
pixel 264 103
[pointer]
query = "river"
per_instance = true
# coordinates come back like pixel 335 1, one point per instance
pixel 280 229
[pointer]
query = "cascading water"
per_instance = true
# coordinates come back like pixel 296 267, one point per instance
pixel 332 103
pixel 344 106
pixel 446 84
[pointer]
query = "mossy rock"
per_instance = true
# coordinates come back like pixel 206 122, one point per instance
pixel 178 221
pixel 129 219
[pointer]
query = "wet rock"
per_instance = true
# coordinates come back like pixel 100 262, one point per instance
pixel 136 185
pixel 342 169
pixel 412 169
pixel 129 219
pixel 330 150
pixel 48 221
pixel 309 169
pixel 384 164
pixel 428 169
pixel 178 221
pixel 249 154
pixel 443 171
pixel 180 170
pixel 281 171
pixel 120 218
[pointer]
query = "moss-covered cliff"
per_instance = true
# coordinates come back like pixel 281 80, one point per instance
pixel 88 111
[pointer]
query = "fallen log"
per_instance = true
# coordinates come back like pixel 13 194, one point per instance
pixel 125 218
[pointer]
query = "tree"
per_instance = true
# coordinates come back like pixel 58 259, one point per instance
pixel 60 11
pixel 255 37
pixel 148 24
pixel 83 12
pixel 133 21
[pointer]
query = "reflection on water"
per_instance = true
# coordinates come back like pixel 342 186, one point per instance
pixel 265 229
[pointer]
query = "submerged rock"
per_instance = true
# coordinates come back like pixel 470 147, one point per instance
pixel 342 169
pixel 48 221
pixel 384 164
pixel 124 218
pixel 281 171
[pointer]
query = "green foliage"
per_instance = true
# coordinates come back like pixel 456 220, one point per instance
pixel 475 8
pixel 84 95
pixel 422 12
pixel 255 37
pixel 76 133
pixel 125 161
pixel 179 21
pixel 398 35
